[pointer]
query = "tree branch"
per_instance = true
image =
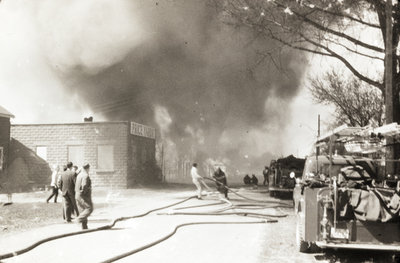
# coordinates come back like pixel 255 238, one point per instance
pixel 353 50
pixel 331 31
pixel 345 16
pixel 346 62
pixel 329 52
pixel 289 44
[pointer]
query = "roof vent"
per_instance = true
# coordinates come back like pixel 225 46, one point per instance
pixel 88 119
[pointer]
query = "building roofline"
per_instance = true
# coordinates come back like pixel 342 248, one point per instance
pixel 73 123
pixel 5 113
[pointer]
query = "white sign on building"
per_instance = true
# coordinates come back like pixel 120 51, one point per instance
pixel 143 130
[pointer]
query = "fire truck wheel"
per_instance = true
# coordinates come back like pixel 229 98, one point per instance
pixel 302 246
pixel 272 193
pixel 314 248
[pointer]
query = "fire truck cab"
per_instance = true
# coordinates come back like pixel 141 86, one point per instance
pixel 348 201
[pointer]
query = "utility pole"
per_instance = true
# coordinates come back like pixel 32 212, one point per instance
pixel 162 163
pixel 389 83
pixel 318 132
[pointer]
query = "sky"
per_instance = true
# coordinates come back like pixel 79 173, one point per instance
pixel 168 64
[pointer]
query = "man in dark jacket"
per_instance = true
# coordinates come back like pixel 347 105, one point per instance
pixel 67 186
pixel 254 180
pixel 83 191
pixel 220 177
pixel 247 179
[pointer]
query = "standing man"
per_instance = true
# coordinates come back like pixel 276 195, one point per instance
pixel 75 170
pixel 197 180
pixel 220 179
pixel 53 184
pixel 83 189
pixel 265 173
pixel 67 187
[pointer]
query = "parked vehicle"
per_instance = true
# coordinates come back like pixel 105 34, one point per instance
pixel 283 173
pixel 347 201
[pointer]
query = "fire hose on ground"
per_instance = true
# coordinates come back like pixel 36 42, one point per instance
pixel 106 227
pixel 266 218
pixel 242 196
pixel 109 226
pixel 136 250
pixel 225 213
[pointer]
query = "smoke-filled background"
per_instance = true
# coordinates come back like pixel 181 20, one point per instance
pixel 170 64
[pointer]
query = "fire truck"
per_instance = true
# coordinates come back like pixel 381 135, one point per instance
pixel 283 173
pixel 346 198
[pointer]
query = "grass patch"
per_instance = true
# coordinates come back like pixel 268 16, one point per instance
pixel 22 216
pixel 30 210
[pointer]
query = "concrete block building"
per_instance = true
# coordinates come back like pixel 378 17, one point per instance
pixel 4 138
pixel 121 154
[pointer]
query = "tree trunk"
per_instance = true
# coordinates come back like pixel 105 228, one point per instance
pixel 396 118
pixel 389 77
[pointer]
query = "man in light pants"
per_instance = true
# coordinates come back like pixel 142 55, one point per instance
pixel 197 180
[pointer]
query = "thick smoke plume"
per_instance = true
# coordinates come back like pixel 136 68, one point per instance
pixel 172 65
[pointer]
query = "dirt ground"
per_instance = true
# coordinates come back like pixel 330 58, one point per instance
pixel 245 242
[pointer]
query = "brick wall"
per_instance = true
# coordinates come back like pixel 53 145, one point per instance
pixel 57 138
pixel 5 143
pixel 26 170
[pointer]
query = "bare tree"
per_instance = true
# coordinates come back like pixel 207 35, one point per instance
pixel 328 28
pixel 333 28
pixel 355 102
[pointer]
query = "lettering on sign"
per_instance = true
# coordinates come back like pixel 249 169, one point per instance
pixel 143 130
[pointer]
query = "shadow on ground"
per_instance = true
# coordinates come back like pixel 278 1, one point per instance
pixel 357 256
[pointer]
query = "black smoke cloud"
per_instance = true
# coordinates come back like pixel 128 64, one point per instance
pixel 204 74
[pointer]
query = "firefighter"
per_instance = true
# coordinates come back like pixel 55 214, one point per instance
pixel 254 181
pixel 197 180
pixel 265 173
pixel 247 179
pixel 221 183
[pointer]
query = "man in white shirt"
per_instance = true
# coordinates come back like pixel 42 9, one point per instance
pixel 53 184
pixel 197 180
